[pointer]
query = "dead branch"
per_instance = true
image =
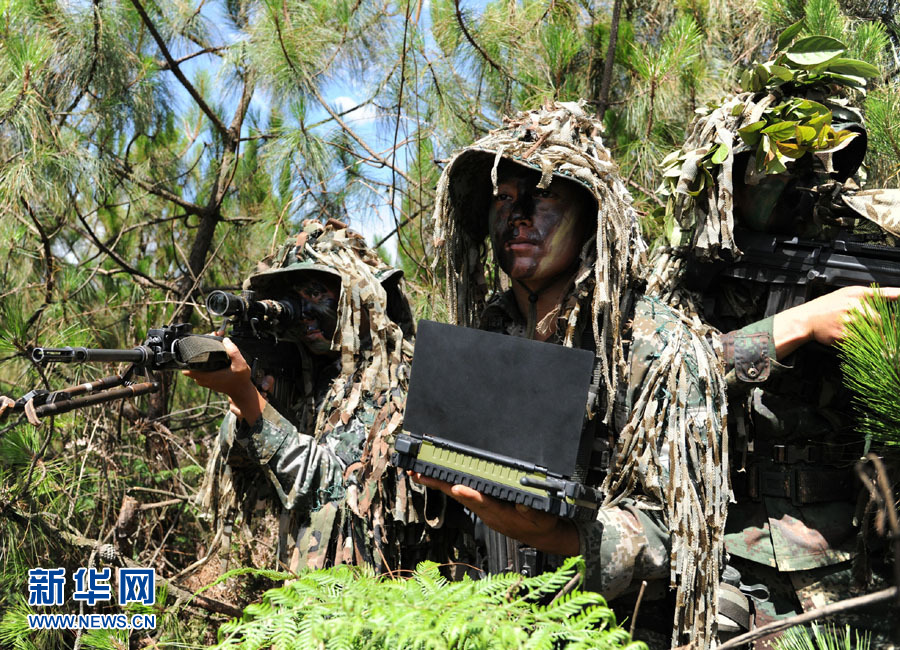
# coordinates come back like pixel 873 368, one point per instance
pixel 801 619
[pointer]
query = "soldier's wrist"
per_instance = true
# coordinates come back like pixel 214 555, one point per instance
pixel 251 404
pixel 791 329
pixel 561 540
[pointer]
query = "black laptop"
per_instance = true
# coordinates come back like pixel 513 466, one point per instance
pixel 500 414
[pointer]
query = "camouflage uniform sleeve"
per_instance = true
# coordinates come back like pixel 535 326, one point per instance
pixel 749 356
pixel 301 471
pixel 622 547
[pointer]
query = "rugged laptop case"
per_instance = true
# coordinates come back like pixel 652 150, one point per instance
pixel 501 414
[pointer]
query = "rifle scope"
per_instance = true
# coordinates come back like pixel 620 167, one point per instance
pixel 283 310
pixel 138 355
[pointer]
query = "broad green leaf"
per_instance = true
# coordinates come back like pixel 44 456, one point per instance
pixel 846 79
pixel 791 150
pixel 788 35
pixel 758 78
pixel 839 138
pixel 781 130
pixel 737 110
pixel 806 134
pixel 750 133
pixel 825 139
pixel 720 154
pixel 814 50
pixel 853 68
pixel 819 121
pixel 779 71
pixel 775 165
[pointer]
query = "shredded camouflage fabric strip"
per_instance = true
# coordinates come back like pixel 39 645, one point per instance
pixel 678 470
pixel 367 512
pixel 881 207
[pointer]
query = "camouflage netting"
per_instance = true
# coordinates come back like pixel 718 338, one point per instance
pixel 563 140
pixel 374 518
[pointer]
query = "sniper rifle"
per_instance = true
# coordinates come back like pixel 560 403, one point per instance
pixel 256 328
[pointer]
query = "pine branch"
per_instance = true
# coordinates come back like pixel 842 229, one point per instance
pixel 496 66
pixel 135 273
pixel 123 170
pixel 173 65
pixel 337 118
pixel 164 65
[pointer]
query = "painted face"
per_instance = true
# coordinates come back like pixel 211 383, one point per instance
pixel 319 295
pixel 537 234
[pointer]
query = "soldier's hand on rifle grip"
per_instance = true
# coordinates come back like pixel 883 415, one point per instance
pixel 542 530
pixel 247 403
pixel 822 319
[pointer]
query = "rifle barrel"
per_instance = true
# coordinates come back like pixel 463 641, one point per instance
pixel 102 397
pixel 84 355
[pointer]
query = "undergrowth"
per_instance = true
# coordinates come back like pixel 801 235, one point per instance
pixel 352 608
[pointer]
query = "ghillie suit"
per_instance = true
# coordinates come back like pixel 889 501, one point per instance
pixel 323 465
pixel 777 158
pixel 776 162
pixel 660 391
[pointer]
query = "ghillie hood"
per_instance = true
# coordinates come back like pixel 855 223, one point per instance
pixel 560 140
pixel 563 140
pixel 370 296
pixel 791 135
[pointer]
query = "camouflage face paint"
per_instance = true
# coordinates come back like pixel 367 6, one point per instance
pixel 536 233
pixel 319 300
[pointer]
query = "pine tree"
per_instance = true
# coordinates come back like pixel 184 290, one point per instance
pixel 871 363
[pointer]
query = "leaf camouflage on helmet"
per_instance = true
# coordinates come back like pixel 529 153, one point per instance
pixel 668 450
pixel 351 507
pixel 777 159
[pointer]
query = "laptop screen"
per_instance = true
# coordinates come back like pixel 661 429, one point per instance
pixel 501 394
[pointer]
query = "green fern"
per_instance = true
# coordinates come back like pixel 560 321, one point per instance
pixel 352 608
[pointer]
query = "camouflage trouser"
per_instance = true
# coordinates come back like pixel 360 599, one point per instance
pixel 795 592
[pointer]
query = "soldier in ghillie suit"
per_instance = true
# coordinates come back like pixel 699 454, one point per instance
pixel 545 191
pixel 322 464
pixel 778 160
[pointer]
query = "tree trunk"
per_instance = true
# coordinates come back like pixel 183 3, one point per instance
pixel 610 59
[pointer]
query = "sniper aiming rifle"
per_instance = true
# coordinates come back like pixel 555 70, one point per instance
pixel 256 328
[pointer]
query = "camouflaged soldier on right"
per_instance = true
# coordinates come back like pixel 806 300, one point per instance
pixel 790 537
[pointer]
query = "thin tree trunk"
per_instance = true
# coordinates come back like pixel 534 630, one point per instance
pixel 610 59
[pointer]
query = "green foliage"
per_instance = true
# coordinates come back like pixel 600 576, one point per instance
pixel 811 66
pixel 883 114
pixel 346 607
pixel 870 356
pixel 822 638
pixel 807 62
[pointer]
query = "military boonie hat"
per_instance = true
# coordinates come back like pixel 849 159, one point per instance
pixel 294 258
